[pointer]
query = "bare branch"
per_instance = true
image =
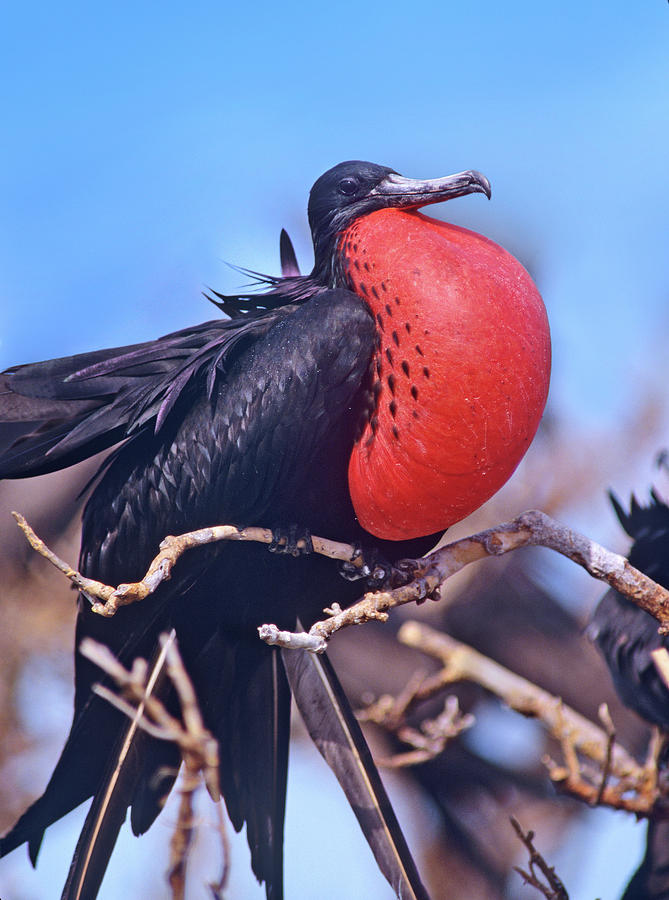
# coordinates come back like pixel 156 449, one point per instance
pixel 462 663
pixel 419 579
pixel 635 789
pixel 105 599
pixel 199 749
pixel 661 663
pixel 552 888
pixel 428 741
pixel 532 528
pixel 294 640
pixel 87 586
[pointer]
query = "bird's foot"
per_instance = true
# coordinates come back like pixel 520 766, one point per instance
pixel 380 574
pixel 416 571
pixel 291 541
pixel 369 565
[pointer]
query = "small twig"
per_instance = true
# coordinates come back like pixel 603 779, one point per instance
pixel 532 528
pixel 655 746
pixel 390 712
pixel 552 888
pixel 636 787
pixel 607 722
pixel 218 887
pixel 661 663
pixel 87 586
pixel 432 738
pixel 462 663
pixel 295 640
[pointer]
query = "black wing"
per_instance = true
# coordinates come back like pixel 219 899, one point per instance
pixel 247 438
pixel 64 410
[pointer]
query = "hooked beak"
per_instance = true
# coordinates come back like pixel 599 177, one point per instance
pixel 411 193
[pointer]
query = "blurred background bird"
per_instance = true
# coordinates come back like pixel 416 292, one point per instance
pixel 627 636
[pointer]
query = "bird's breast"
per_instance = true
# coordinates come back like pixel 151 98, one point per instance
pixel 461 373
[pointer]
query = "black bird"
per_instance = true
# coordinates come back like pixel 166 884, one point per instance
pixel 246 420
pixel 626 636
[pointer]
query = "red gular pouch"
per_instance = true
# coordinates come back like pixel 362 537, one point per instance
pixel 461 372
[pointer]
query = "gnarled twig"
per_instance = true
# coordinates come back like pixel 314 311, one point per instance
pixel 635 789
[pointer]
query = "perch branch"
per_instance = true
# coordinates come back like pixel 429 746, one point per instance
pixel 105 599
pixel 420 578
pixel 532 528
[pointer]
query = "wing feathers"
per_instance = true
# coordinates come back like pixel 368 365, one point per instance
pixel 76 406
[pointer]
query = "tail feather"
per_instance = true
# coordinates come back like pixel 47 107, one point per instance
pixel 334 729
pixel 250 716
pixel 289 264
pixel 74 779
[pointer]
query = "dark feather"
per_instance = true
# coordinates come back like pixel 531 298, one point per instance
pixel 335 731
pixel 627 637
pixel 289 264
pixel 251 714
pixel 86 403
pixel 291 289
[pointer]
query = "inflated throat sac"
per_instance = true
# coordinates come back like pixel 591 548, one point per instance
pixel 461 373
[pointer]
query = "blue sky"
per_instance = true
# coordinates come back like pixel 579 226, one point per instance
pixel 143 145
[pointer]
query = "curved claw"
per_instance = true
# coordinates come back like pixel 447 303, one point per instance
pixel 355 569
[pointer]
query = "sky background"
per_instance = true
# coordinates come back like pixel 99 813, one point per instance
pixel 145 145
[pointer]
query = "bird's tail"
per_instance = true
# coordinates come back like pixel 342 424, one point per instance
pixel 247 707
pixel 334 729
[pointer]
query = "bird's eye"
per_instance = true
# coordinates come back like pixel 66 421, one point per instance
pixel 348 186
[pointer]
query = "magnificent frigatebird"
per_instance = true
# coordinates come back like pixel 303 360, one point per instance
pixel 627 636
pixel 377 400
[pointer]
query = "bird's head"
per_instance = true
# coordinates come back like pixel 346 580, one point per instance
pixel 353 189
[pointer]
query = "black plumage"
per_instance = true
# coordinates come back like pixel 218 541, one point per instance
pixel 245 420
pixel 626 636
